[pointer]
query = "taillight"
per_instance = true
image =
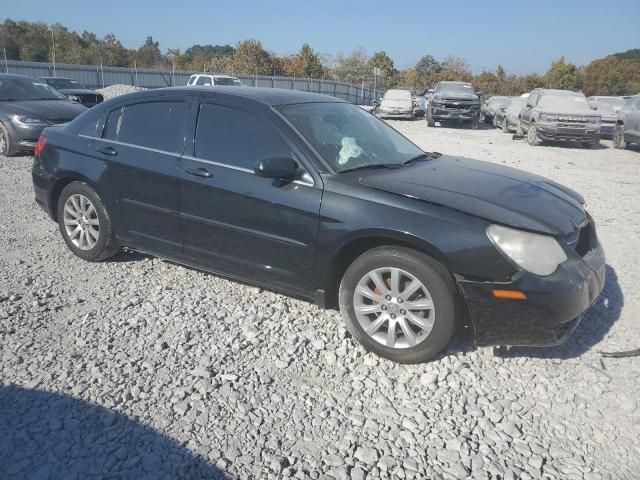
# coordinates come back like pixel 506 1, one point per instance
pixel 42 142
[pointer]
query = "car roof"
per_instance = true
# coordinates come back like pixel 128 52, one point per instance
pixel 264 95
pixel 454 81
pixel 568 93
pixel 57 78
pixel 13 75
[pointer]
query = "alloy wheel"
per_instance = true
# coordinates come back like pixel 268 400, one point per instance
pixel 3 143
pixel 394 308
pixel 81 222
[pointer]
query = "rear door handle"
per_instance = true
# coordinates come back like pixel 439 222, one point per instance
pixel 199 172
pixel 108 151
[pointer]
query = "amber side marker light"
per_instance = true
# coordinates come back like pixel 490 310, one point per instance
pixel 511 294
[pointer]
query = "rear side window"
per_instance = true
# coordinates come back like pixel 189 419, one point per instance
pixel 204 81
pixel 233 137
pixel 191 80
pixel 158 125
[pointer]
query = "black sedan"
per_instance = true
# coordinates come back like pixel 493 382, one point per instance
pixel 314 197
pixel 74 91
pixel 27 107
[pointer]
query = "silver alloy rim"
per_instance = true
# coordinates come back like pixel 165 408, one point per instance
pixel 3 143
pixel 81 222
pixel 394 308
pixel 532 134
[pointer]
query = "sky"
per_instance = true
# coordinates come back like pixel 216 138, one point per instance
pixel 523 37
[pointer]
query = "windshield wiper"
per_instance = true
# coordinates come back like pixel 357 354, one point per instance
pixel 372 166
pixel 422 156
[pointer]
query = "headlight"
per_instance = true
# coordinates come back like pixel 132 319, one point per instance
pixel 25 120
pixel 73 98
pixel 547 117
pixel 538 254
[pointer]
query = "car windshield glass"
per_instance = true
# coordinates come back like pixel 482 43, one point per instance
pixel 397 95
pixel 62 83
pixel 614 102
pixel 603 107
pixel 516 103
pixel 226 81
pixel 564 102
pixel 347 137
pixel 26 89
pixel 454 88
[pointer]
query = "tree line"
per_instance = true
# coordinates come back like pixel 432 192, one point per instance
pixel 617 74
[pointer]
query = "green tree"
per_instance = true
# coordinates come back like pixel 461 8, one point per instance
pixel 149 55
pixel 251 58
pixel 353 67
pixel 563 75
pixel 611 76
pixel 428 66
pixel 305 63
pixel 388 74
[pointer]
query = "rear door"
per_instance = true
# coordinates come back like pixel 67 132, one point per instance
pixel 142 143
pixel 263 230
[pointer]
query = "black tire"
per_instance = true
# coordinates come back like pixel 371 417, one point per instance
pixel 532 136
pixel 430 273
pixel 593 143
pixel 106 245
pixel 5 142
pixel 430 121
pixel 618 137
pixel 505 125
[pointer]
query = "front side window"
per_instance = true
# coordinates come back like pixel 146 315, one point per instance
pixel 347 137
pixel 18 88
pixel 233 137
pixel 158 125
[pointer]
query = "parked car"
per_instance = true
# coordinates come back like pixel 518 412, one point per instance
pixel 608 118
pixel 489 108
pixel 27 106
pixel 616 102
pixel 325 202
pixel 396 104
pixel 454 102
pixel 506 116
pixel 213 80
pixel 74 91
pixel 627 129
pixel 559 116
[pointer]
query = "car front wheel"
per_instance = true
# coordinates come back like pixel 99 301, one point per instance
pixel 399 304
pixel 85 224
pixel 618 137
pixel 5 142
pixel 532 136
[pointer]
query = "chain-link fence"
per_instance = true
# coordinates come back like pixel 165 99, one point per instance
pixel 93 76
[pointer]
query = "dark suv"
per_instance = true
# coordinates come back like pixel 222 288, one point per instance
pixel 559 116
pixel 454 102
pixel 315 197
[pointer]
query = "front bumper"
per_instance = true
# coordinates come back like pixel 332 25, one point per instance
pixel 23 137
pixel 553 132
pixel 553 308
pixel 449 115
pixel 395 114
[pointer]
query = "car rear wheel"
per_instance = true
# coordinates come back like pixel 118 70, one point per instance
pixel 618 137
pixel 399 304
pixel 85 224
pixel 532 136
pixel 5 141
pixel 430 121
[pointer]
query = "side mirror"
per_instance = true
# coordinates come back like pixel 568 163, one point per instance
pixel 284 168
pixel 430 90
pixel 529 105
pixel 480 94
pixel 503 107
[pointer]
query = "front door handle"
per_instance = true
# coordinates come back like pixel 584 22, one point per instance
pixel 112 152
pixel 199 172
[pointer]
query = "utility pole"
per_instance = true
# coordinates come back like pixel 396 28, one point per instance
pixel 53 50
pixel 6 65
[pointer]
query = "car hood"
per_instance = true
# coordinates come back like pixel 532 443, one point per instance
pixel 494 192
pixel 77 91
pixel 455 96
pixel 56 111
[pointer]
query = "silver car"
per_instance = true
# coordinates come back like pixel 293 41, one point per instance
pixel 627 129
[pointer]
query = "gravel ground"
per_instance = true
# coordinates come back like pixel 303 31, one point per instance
pixel 118 89
pixel 138 368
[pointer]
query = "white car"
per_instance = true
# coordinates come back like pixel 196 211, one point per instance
pixel 396 104
pixel 211 80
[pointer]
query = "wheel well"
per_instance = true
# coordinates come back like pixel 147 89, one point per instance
pixel 619 122
pixel 57 190
pixel 347 254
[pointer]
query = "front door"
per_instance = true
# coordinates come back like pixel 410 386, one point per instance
pixel 235 222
